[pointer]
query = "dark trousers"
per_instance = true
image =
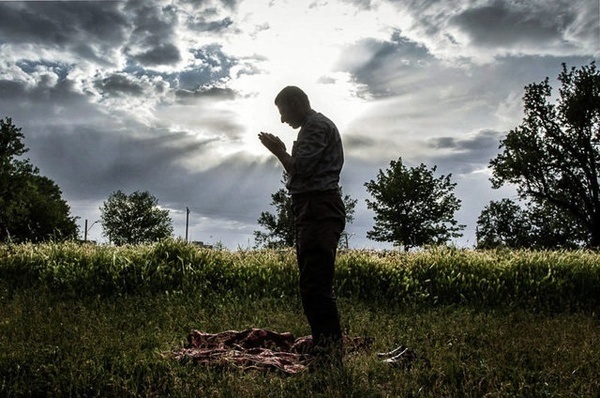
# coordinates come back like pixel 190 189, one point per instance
pixel 320 219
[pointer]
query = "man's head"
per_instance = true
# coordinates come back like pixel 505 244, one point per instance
pixel 293 105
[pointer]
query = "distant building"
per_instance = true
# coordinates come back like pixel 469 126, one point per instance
pixel 201 244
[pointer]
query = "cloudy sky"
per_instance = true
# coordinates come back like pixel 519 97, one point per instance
pixel 168 96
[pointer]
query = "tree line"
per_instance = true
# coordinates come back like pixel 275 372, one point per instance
pixel 552 159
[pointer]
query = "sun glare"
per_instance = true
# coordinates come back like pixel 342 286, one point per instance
pixel 300 46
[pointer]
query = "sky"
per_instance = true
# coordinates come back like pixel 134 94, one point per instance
pixel 169 96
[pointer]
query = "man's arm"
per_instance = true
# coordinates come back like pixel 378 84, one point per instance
pixel 277 148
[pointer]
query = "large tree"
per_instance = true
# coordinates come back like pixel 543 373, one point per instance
pixel 31 205
pixel 134 219
pixel 507 224
pixel 412 207
pixel 553 157
pixel 279 228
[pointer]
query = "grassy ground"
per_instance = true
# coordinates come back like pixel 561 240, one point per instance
pixel 120 345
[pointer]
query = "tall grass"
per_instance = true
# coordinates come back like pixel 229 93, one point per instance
pixel 540 280
pixel 545 280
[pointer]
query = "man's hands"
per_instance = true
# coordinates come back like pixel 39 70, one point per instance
pixel 277 148
pixel 272 143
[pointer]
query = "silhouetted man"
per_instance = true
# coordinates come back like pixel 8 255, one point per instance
pixel 313 170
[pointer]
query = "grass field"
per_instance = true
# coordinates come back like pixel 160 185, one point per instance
pixel 101 321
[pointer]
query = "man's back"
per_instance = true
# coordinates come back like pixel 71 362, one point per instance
pixel 318 156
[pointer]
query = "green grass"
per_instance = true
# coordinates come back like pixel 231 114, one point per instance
pixel 121 346
pixel 103 321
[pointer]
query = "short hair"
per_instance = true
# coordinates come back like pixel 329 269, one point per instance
pixel 289 93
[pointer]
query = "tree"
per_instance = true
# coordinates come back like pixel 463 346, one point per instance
pixel 31 206
pixel 280 227
pixel 503 224
pixel 134 219
pixel 553 156
pixel 507 224
pixel 350 205
pixel 552 228
pixel 412 207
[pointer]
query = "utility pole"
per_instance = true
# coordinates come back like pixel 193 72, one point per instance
pixel 86 229
pixel 187 222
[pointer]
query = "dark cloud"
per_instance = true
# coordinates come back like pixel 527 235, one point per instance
pixel 92 161
pixel 506 24
pixel 61 22
pixel 358 142
pixel 151 41
pixel 45 100
pixel 161 54
pixel 144 30
pixel 378 63
pixel 464 31
pixel 89 163
pixel 119 84
pixel 465 154
pixel 12 89
pixel 479 141
pixel 71 26
pixel 206 92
